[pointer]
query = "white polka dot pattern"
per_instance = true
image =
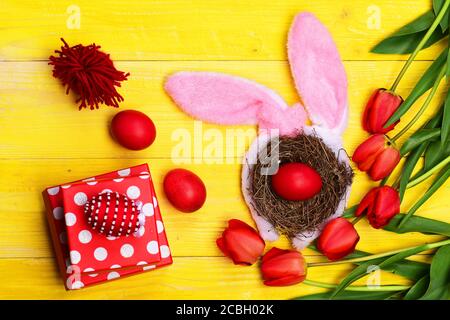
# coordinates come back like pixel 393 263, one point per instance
pixel 76 285
pixel 124 172
pixel 127 250
pixel 133 192
pixel 165 251
pixel 53 191
pixel 100 254
pixel 113 275
pixel 80 198
pixel 70 218
pixel 63 237
pixel 75 257
pixel 152 247
pixel 144 175
pixel 93 275
pixel 148 209
pixel 159 226
pixel 85 236
pixel 58 213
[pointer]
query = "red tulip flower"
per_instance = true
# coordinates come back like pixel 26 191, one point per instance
pixel 375 157
pixel 283 267
pixel 381 204
pixel 241 243
pixel 380 107
pixel 338 239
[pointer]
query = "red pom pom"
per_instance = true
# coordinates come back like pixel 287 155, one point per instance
pixel 90 73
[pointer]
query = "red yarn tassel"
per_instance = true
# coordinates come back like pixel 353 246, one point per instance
pixel 89 73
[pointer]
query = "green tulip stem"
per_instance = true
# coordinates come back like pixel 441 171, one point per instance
pixel 429 173
pixel 421 44
pixel 427 246
pixel 355 221
pixel 356 288
pixel 424 105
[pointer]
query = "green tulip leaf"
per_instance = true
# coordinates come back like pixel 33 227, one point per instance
pixel 418 289
pixel 439 287
pixel 361 270
pixel 445 130
pixel 441 178
pixel 406 43
pixel 418 138
pixel 436 152
pixel 408 168
pixel 437 5
pixel 351 295
pixel 423 85
pixel 422 23
pixel 418 224
pixel 406 39
pixel 412 270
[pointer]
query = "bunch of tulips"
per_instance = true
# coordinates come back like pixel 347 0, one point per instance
pixel 378 156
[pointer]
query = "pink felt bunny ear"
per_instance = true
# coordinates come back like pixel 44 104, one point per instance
pixel 230 100
pixel 318 72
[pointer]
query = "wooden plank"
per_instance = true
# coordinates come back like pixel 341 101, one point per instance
pixel 196 30
pixel 23 230
pixel 37 119
pixel 187 278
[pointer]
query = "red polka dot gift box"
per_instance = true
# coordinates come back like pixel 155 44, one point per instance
pixel 106 227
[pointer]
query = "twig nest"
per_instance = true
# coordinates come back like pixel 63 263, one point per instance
pixel 298 217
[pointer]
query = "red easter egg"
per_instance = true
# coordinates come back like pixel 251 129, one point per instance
pixel 112 214
pixel 185 190
pixel 296 181
pixel 133 129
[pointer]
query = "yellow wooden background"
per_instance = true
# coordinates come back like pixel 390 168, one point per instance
pixel 45 140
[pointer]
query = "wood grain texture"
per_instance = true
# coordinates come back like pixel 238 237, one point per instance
pixel 44 140
pixel 36 115
pixel 23 231
pixel 38 278
pixel 198 29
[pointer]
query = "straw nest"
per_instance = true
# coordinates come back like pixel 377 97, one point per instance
pixel 297 217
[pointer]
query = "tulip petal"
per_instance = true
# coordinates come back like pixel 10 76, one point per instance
pixel 273 253
pixel 244 245
pixel 221 244
pixel 384 164
pixel 385 104
pixel 370 147
pixel 291 263
pixel 338 239
pixel 387 205
pixel 286 281
pixel 235 224
pixel 368 109
pixel 367 203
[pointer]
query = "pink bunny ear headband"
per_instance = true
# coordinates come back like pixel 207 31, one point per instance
pixel 320 80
